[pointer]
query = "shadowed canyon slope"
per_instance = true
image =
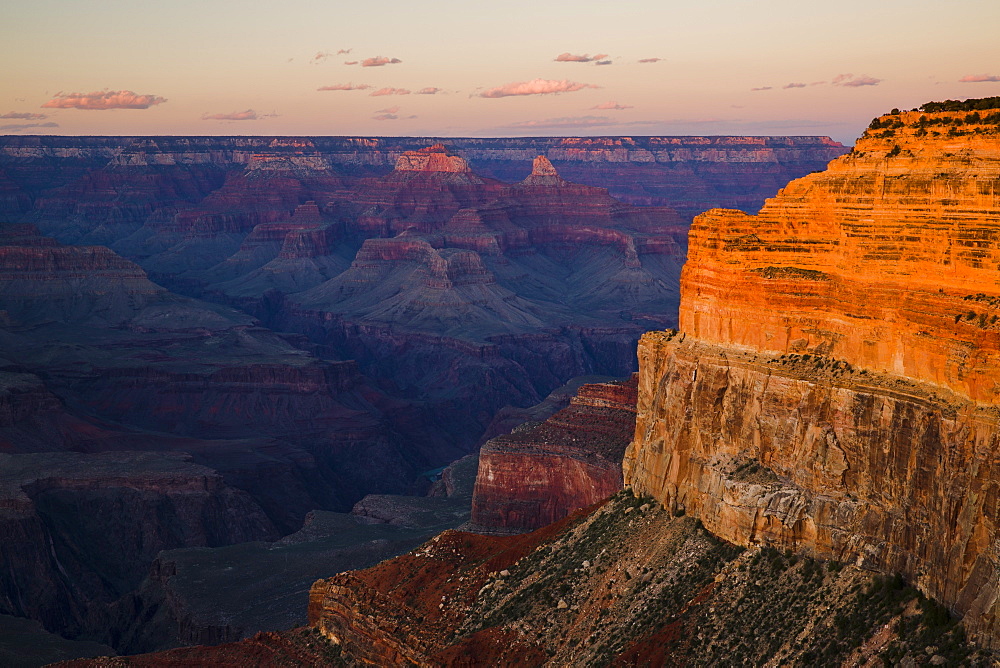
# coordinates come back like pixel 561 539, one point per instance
pixel 289 324
pixel 833 386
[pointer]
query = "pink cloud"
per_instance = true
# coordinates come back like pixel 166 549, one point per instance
pixel 430 90
pixel 585 58
pixel 341 52
pixel 389 114
pixel 346 86
pixel 980 78
pixel 852 81
pixel 762 88
pixel 23 115
pixel 613 106
pixel 535 87
pixel 573 122
pixel 794 85
pixel 350 62
pixel 378 61
pixel 650 60
pixel 389 91
pixel 248 115
pixel 105 99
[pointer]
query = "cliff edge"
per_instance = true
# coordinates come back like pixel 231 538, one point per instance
pixel 832 388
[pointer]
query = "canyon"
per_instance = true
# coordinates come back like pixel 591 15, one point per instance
pixel 813 446
pixel 297 334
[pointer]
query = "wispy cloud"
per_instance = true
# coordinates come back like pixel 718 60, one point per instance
pixel 323 55
pixel 572 122
pixel 248 115
pixel 980 78
pixel 585 58
pixel 612 106
pixel 535 87
pixel 650 60
pixel 430 90
pixel 104 99
pixel 377 61
pixel 794 85
pixel 345 86
pixel 390 114
pixel 852 81
pixel 762 88
pixel 17 127
pixel 603 62
pixel 350 62
pixel 23 116
pixel 389 91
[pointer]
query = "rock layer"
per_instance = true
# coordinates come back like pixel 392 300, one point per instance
pixel 833 389
pixel 543 472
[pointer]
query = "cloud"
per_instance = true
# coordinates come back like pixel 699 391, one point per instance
pixel 794 85
pixel 23 116
pixel 430 90
pixel 377 61
pixel 613 106
pixel 341 52
pixel 535 87
pixel 248 115
pixel 389 114
pixel 350 62
pixel 104 99
pixel 974 78
pixel 572 122
pixel 852 81
pixel 762 88
pixel 597 58
pixel 650 60
pixel 346 86
pixel 389 91
pixel 17 127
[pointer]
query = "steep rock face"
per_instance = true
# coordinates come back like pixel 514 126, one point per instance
pixel 80 530
pixel 833 390
pixel 542 473
pixel 887 260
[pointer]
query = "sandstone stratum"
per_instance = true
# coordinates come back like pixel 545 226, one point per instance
pixel 832 388
pixel 542 472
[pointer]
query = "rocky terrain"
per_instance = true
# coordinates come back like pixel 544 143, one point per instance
pixel 687 173
pixel 623 583
pixel 542 472
pixel 832 389
pixel 206 342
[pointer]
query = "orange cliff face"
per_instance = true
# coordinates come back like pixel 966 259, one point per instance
pixel 889 259
pixel 833 387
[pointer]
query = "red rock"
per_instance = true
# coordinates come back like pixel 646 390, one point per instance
pixel 538 475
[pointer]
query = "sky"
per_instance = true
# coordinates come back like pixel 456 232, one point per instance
pixel 463 68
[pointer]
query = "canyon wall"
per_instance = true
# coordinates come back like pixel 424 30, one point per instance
pixel 675 171
pixel 833 386
pixel 541 473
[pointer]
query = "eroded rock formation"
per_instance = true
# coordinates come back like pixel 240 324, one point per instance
pixel 833 387
pixel 543 472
